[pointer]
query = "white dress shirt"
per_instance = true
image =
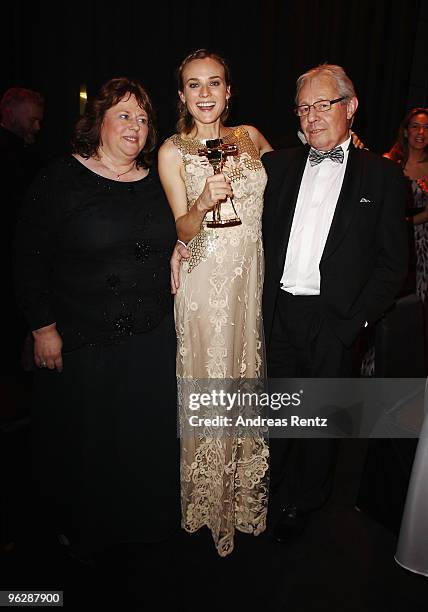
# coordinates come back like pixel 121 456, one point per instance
pixel 315 206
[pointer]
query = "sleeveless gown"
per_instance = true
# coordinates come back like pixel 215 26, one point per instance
pixel 220 336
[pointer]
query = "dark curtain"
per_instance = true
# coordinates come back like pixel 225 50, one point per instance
pixel 56 47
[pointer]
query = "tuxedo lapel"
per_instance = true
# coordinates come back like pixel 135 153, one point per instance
pixel 346 203
pixel 287 204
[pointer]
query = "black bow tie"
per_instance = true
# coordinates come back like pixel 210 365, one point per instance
pixel 316 157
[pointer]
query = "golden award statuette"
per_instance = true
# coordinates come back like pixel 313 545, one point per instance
pixel 217 151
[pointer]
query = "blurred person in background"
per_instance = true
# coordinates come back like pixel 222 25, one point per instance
pixel 410 151
pixel 21 116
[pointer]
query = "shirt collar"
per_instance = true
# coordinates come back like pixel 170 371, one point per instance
pixel 346 145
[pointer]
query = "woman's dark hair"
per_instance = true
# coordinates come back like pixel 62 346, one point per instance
pixel 185 121
pixel 86 139
pixel 400 149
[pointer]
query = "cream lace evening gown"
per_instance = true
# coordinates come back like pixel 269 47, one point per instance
pixel 220 336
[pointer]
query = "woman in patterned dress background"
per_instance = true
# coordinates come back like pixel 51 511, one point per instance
pixel 411 152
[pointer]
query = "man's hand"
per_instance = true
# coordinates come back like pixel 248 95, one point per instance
pixel 179 253
pixel 47 348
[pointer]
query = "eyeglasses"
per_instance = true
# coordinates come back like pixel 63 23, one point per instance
pixel 320 106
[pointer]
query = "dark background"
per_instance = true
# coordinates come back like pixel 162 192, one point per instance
pixel 383 45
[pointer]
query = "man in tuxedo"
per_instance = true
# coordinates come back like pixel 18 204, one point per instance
pixel 335 251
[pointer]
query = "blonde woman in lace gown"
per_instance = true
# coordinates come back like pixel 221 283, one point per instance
pixel 218 304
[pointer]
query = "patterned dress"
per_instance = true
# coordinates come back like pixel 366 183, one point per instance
pixel 420 200
pixel 220 336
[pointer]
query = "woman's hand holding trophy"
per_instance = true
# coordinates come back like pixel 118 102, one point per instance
pixel 217 188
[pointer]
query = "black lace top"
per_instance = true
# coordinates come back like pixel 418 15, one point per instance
pixel 92 254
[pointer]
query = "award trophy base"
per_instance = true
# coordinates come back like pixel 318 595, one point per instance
pixel 224 222
pixel 217 221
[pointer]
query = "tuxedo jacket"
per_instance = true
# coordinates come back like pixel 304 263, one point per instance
pixel 364 261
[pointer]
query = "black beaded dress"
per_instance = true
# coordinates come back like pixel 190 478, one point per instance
pixel 92 255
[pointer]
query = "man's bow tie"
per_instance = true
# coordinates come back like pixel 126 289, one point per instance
pixel 316 157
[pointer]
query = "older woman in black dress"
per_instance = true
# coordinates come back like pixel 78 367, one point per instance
pixel 93 249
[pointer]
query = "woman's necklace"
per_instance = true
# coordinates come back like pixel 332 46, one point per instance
pixel 126 172
pixel 119 174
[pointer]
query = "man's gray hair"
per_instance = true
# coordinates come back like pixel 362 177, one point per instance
pixel 344 84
